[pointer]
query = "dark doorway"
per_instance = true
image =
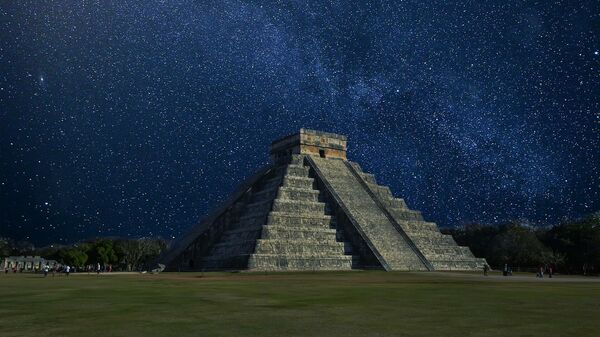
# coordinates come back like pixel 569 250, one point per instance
pixel 322 153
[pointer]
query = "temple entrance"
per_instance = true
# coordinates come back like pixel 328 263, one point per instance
pixel 322 153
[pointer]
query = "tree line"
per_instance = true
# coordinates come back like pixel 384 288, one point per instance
pixel 570 247
pixel 122 254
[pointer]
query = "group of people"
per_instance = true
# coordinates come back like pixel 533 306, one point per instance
pixel 66 269
pixel 548 270
pixel 54 269
pixel 98 268
pixel 507 270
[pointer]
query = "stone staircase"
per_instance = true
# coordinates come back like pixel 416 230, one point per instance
pixel 389 243
pixel 439 249
pixel 285 226
pixel 312 209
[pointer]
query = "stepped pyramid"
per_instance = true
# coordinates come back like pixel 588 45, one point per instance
pixel 312 209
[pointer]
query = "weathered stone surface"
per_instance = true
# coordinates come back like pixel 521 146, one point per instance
pixel 441 250
pixel 314 210
pixel 386 240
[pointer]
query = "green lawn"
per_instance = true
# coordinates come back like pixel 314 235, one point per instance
pixel 297 304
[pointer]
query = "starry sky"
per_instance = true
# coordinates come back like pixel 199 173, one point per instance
pixel 134 118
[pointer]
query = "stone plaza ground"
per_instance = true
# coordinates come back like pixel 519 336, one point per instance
pixel 356 303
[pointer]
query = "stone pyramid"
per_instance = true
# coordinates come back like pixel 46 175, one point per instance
pixel 312 209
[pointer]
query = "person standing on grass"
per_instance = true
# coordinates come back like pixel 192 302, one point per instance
pixel 98 268
pixel 485 269
pixel 550 272
pixel 46 268
pixel 67 270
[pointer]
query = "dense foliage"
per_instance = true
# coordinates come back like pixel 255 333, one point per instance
pixel 122 254
pixel 570 247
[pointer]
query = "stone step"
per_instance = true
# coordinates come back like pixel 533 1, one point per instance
pixel 298 207
pixel 299 220
pixel 298 194
pixel 357 167
pixel 403 254
pixel 405 214
pixel 393 203
pixel 301 247
pixel 296 171
pixel 448 257
pixel 447 250
pixel 383 192
pixel 430 240
pixel 467 264
pixel 399 203
pixel 282 263
pixel 283 229
pixel 399 265
pixel 451 257
pixel 418 225
pixel 313 234
pixel 298 182
pixel 279 263
pixel 426 234
pixel 368 178
pixel 297 159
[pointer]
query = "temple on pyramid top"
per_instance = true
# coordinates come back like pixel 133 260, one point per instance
pixel 309 142
pixel 313 209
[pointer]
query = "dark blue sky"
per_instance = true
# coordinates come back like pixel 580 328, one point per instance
pixel 138 117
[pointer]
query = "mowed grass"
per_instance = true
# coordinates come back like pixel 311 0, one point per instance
pixel 365 303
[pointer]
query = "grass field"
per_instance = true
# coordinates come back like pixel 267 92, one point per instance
pixel 297 304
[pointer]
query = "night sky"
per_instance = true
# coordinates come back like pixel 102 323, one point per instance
pixel 135 118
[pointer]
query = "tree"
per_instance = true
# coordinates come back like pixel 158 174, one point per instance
pixel 24 248
pixel 519 246
pixel 5 247
pixel 512 243
pixel 74 257
pixel 578 242
pixel 477 237
pixel 132 253
pixel 103 252
pixel 136 252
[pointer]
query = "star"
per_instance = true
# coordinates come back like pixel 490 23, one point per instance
pixel 127 132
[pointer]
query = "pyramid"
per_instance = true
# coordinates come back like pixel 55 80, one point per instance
pixel 312 209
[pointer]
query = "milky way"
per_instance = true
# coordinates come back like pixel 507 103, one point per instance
pixel 135 118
